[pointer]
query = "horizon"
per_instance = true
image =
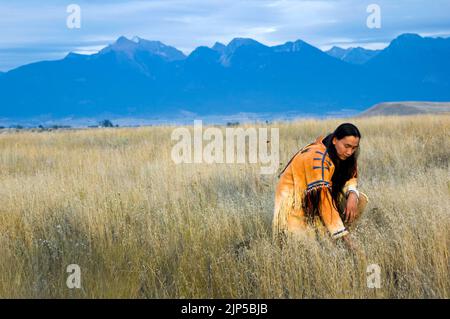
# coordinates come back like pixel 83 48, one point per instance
pixel 31 32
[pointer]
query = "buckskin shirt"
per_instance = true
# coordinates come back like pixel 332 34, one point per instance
pixel 304 191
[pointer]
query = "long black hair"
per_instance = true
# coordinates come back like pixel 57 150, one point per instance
pixel 344 170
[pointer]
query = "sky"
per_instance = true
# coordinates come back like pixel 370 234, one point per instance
pixel 33 30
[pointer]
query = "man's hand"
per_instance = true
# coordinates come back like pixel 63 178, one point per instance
pixel 349 243
pixel 353 247
pixel 351 207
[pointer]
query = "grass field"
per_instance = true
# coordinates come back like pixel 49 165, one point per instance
pixel 139 226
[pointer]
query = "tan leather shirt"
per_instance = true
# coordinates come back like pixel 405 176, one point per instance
pixel 307 175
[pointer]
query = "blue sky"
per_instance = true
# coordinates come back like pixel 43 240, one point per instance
pixel 33 30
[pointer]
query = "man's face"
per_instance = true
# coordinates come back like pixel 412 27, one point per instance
pixel 346 147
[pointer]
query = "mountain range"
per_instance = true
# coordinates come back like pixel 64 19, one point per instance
pixel 356 55
pixel 137 77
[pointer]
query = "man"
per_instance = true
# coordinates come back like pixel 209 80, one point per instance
pixel 319 184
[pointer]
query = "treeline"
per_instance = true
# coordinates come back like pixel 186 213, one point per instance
pixel 103 123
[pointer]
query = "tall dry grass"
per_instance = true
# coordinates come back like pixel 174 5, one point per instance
pixel 139 226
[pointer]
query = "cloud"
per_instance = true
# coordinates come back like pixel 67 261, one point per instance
pixel 29 28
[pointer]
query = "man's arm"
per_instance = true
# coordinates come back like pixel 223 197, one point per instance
pixel 319 184
pixel 352 196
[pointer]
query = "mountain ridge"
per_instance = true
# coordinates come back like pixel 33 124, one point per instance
pixel 139 77
pixel 355 55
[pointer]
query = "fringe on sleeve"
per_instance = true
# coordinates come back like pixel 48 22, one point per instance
pixel 312 198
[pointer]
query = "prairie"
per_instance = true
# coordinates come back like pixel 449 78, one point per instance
pixel 140 226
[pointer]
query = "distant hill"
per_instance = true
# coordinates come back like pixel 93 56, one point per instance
pixel 137 77
pixel 407 108
pixel 356 55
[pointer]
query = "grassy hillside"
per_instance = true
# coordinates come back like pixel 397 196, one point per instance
pixel 139 226
pixel 407 108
